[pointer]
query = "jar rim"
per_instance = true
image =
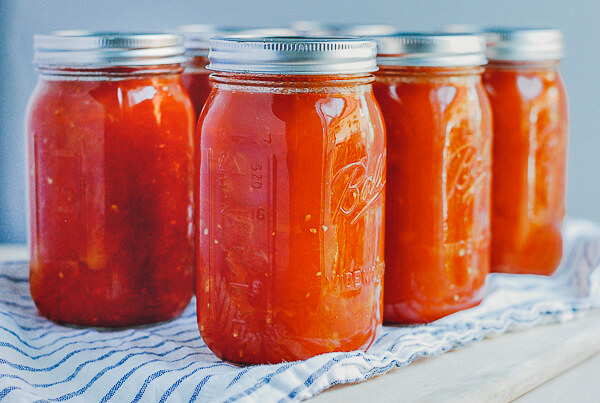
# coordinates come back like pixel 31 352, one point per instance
pixel 293 55
pixel 107 49
pixel 516 44
pixel 434 49
pixel 524 44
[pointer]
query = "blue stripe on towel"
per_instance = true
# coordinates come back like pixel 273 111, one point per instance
pixel 14 279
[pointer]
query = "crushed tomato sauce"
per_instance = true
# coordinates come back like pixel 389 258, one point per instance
pixel 111 176
pixel 438 190
pixel 530 149
pixel 291 229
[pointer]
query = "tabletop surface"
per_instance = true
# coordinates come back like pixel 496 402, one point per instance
pixel 498 369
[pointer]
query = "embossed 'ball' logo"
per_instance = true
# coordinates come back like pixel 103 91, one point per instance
pixel 466 170
pixel 357 189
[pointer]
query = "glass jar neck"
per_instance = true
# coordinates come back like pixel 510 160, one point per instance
pixel 428 71
pixel 523 65
pixel 113 72
pixel 292 80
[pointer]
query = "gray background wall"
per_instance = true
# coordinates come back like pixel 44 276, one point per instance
pixel 20 19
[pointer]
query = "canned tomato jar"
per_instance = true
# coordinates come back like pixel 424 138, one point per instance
pixel 529 106
pixel 438 123
pixel 110 131
pixel 291 199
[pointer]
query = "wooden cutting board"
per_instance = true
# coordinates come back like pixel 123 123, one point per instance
pixel 498 369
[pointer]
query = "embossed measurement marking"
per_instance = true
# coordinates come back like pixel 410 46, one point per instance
pixel 241 234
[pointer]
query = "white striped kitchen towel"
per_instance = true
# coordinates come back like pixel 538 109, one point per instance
pixel 40 361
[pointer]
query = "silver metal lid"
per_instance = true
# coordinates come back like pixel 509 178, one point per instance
pixel 316 28
pixel 197 36
pixel 524 44
pixel 430 49
pixel 293 55
pixel 106 49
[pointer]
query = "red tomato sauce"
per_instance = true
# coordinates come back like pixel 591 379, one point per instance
pixel 111 198
pixel 438 190
pixel 291 217
pixel 530 141
pixel 196 82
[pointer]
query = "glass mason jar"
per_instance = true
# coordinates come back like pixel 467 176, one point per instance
pixel 291 199
pixel 438 124
pixel 110 131
pixel 196 37
pixel 529 106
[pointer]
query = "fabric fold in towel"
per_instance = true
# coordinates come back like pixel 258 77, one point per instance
pixel 169 362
